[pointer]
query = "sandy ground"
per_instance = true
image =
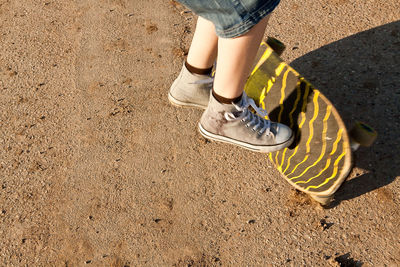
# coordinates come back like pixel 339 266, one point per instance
pixel 97 169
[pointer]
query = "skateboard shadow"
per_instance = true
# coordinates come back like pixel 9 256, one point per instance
pixel 360 75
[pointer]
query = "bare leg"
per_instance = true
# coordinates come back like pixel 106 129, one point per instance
pixel 221 120
pixel 235 58
pixel 203 50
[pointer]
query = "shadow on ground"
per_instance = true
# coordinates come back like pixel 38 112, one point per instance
pixel 361 76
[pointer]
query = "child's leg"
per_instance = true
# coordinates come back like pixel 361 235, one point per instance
pixel 228 117
pixel 203 50
pixel 193 85
pixel 235 58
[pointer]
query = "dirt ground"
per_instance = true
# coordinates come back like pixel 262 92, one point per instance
pixel 98 169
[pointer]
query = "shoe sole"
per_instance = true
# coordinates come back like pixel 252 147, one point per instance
pixel 181 104
pixel 256 148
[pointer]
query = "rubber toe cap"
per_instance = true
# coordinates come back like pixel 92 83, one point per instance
pixel 284 134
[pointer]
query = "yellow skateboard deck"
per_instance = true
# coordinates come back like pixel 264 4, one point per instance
pixel 320 158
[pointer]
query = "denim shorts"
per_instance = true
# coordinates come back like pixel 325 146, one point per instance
pixel 232 18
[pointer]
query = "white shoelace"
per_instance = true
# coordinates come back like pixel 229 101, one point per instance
pixel 259 124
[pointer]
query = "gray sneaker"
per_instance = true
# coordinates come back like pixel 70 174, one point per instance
pixel 190 90
pixel 237 125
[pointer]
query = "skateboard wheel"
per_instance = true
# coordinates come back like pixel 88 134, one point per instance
pixel 323 200
pixel 362 134
pixel 276 45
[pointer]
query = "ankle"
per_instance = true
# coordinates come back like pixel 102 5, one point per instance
pixel 200 71
pixel 224 100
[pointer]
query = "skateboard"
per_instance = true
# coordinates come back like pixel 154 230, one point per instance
pixel 320 158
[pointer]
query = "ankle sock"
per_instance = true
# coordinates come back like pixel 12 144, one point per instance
pixel 224 100
pixel 195 70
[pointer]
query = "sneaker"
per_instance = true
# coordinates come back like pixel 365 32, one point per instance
pixel 237 124
pixel 191 90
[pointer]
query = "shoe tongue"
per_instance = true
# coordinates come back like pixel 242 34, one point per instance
pixel 240 103
pixel 237 114
pixel 274 128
